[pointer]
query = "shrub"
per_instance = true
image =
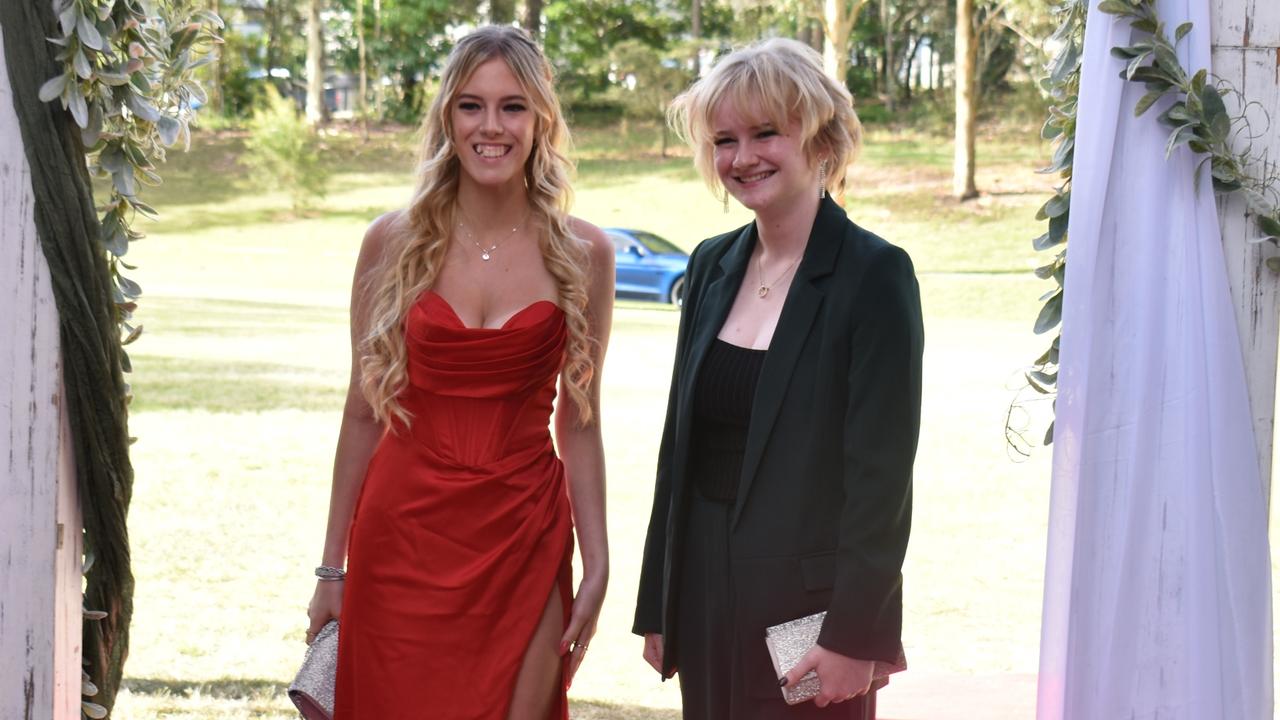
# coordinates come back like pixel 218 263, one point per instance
pixel 283 151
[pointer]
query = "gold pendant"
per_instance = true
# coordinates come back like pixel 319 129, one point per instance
pixel 762 291
pixel 484 256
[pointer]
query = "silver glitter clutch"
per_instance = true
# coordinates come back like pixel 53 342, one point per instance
pixel 789 641
pixel 312 689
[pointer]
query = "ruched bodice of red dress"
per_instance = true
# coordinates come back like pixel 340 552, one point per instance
pixel 462 529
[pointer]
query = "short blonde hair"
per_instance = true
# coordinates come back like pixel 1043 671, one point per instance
pixel 777 80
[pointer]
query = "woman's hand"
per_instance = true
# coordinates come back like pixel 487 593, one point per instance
pixel 653 647
pixel 582 622
pixel 326 605
pixel 843 678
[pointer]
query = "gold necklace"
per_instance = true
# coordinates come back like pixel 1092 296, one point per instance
pixel 763 291
pixel 486 253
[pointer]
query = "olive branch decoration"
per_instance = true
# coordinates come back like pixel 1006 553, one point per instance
pixel 1197 118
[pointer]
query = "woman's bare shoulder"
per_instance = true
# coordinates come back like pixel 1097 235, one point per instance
pixel 598 244
pixel 378 239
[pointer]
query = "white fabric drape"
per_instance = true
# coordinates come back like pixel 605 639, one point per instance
pixel 1157 584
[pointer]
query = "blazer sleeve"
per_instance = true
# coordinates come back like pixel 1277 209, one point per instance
pixel 648 617
pixel 881 430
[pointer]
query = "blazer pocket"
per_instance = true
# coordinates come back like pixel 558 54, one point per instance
pixel 769 591
pixel 818 571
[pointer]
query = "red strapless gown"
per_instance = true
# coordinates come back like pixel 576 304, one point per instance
pixel 463 527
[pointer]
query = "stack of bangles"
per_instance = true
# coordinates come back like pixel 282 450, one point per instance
pixel 328 573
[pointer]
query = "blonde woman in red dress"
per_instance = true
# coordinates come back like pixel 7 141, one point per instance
pixel 452 508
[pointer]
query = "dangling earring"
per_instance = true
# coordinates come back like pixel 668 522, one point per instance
pixel 726 201
pixel 822 179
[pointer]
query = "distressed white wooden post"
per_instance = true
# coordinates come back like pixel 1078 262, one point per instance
pixel 1246 52
pixel 40 539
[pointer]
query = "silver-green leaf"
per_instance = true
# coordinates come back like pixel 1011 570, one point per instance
pixel 53 87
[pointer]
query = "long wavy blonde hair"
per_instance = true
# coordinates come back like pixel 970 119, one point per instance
pixel 421 236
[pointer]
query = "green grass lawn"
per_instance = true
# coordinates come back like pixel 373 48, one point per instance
pixel 240 374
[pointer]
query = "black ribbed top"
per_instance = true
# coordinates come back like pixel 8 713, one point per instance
pixel 721 414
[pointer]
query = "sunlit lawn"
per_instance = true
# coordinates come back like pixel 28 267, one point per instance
pixel 240 374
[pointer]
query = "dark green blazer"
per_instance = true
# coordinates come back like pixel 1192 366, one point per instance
pixel 824 502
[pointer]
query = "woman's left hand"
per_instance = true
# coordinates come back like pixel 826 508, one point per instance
pixel 842 677
pixel 582 623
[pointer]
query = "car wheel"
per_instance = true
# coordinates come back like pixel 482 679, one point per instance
pixel 675 295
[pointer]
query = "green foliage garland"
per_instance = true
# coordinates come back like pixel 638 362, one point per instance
pixel 1063 88
pixel 128 82
pixel 1198 119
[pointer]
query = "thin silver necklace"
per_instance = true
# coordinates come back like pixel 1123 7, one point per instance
pixel 763 291
pixel 486 253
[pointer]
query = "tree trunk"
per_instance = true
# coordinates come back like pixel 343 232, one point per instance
pixel 272 12
pixel 835 51
pixel 362 104
pixel 838 19
pixel 533 18
pixel 695 29
pixel 912 69
pixel 377 66
pixel 315 63
pixel 502 12
pixel 963 186
pixel 409 87
pixel 890 78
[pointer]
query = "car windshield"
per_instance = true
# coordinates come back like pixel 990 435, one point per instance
pixel 620 242
pixel 656 244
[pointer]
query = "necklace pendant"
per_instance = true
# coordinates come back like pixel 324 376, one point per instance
pixel 484 256
pixel 763 291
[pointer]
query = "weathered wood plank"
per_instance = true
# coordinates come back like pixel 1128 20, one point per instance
pixel 68 620
pixel 1246 36
pixel 1229 18
pixel 1264 24
pixel 40 539
pixel 1246 23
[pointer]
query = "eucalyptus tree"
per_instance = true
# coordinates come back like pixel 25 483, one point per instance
pixel 964 170
pixel 315 62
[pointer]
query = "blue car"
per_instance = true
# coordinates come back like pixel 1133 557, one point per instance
pixel 648 267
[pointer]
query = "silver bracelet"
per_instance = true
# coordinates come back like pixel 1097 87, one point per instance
pixel 330 573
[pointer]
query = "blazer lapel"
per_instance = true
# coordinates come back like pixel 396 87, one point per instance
pixel 798 313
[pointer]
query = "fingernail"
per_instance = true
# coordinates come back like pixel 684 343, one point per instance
pixel 782 681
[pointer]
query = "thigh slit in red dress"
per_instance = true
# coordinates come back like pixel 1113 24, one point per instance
pixel 462 529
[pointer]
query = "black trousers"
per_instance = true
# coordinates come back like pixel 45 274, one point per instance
pixel 710 677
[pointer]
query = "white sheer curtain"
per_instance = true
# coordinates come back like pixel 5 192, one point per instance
pixel 1157 585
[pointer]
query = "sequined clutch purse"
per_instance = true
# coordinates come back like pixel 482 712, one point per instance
pixel 312 689
pixel 789 641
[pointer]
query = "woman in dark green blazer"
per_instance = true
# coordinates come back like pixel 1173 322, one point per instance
pixel 784 474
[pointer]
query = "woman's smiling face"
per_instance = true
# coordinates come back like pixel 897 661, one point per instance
pixel 493 124
pixel 760 164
